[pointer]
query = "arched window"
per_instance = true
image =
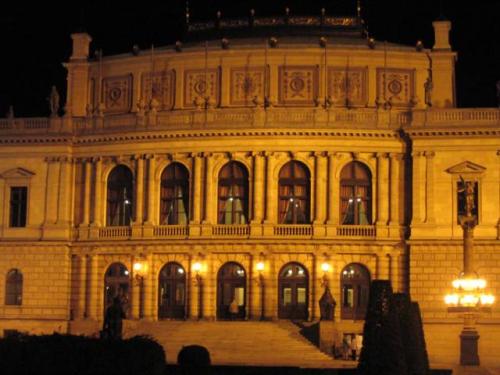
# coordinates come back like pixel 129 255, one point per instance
pixel 14 287
pixel 117 285
pixel 293 292
pixel 120 196
pixel 355 194
pixel 294 185
pixel 355 287
pixel 233 194
pixel 231 288
pixel 174 195
pixel 172 292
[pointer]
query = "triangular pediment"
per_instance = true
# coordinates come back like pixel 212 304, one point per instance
pixel 466 167
pixel 17 173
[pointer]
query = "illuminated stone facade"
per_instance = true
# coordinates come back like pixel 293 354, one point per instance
pixel 372 186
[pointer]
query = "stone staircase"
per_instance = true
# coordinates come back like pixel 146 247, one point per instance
pixel 240 343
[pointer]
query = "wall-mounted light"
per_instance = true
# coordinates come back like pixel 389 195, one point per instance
pixel 260 266
pixel 140 268
pixel 325 267
pixel 197 267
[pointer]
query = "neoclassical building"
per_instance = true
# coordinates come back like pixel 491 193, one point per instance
pixel 255 163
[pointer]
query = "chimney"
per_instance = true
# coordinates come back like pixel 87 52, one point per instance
pixel 441 35
pixel 81 44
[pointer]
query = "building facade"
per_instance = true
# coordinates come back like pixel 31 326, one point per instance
pixel 253 171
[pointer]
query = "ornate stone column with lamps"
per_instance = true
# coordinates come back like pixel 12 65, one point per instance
pixel 469 298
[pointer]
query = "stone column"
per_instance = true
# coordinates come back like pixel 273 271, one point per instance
pixel 98 192
pixel 417 187
pixel 321 201
pixel 429 204
pixel 151 219
pixel 196 182
pixel 52 190
pixel 65 199
pixel 136 284
pixel 271 186
pixel 148 290
pixel 382 189
pixel 258 188
pixel 93 293
pixel 395 277
pixel 82 284
pixel 86 192
pixel 209 189
pixel 395 188
pixel 333 191
pixel 139 196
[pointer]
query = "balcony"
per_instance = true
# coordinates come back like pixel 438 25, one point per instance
pixel 293 230
pixel 231 230
pixel 169 231
pixel 357 231
pixel 115 232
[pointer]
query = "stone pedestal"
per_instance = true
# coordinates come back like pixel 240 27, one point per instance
pixel 469 347
pixel 327 334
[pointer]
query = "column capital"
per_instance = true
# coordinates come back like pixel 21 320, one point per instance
pixel 429 154
pixel 196 155
pixel 396 156
pixel 149 156
pixel 95 159
pixel 138 157
pixel 417 153
pixel 258 153
pixel 320 154
pixel 382 155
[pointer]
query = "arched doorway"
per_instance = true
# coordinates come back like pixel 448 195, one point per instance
pixel 172 292
pixel 355 287
pixel 231 285
pixel 117 284
pixel 293 292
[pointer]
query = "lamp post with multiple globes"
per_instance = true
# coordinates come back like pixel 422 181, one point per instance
pixel 469 297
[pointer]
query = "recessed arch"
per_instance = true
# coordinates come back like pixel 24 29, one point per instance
pixel 233 194
pixel 172 291
pixel 14 287
pixel 355 288
pixel 117 285
pixel 294 187
pixel 174 195
pixel 231 289
pixel 120 196
pixel 293 291
pixel 355 194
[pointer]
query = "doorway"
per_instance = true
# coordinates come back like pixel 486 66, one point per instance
pixel 293 292
pixel 172 292
pixel 231 286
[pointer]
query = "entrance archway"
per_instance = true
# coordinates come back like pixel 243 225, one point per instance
pixel 355 287
pixel 117 284
pixel 231 285
pixel 293 292
pixel 172 292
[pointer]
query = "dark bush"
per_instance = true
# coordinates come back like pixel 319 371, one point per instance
pixel 67 354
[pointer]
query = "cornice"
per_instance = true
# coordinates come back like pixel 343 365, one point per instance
pixel 450 132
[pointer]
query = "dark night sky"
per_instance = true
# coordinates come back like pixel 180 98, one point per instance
pixel 36 38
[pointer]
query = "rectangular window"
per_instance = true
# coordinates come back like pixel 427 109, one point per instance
pixel 18 206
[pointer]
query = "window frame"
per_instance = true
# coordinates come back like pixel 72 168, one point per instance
pixel 353 183
pixel 17 284
pixel 22 209
pixel 124 218
pixel 292 182
pixel 177 184
pixel 242 183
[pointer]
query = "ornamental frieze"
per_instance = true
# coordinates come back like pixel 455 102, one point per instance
pixel 298 85
pixel 247 84
pixel 160 87
pixel 396 86
pixel 348 86
pixel 117 94
pixel 201 86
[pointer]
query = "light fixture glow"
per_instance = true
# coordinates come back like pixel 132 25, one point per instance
pixel 197 267
pixel 325 267
pixel 260 266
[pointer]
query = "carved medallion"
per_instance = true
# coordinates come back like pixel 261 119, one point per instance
pixel 298 85
pixel 395 86
pixel 348 86
pixel 161 87
pixel 117 94
pixel 199 85
pixel 246 84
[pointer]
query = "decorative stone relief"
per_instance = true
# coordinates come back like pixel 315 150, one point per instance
pixel 163 86
pixel 117 93
pixel 201 85
pixel 298 85
pixel 246 84
pixel 347 86
pixel 395 86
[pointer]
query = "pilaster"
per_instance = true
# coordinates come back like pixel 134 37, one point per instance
pixel 395 194
pixel 429 186
pixel 382 193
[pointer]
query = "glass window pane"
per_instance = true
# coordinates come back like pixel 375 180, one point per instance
pixel 287 296
pixel 239 295
pixel 179 294
pixel 301 295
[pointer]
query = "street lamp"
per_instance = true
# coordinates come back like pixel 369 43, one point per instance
pixel 469 297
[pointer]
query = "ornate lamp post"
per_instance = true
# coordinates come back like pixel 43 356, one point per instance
pixel 140 268
pixel 469 297
pixel 199 283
